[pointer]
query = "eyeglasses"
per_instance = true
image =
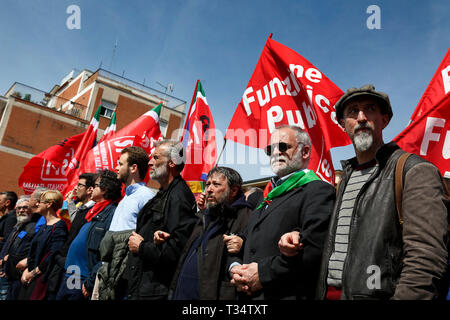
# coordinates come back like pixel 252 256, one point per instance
pixel 282 147
pixel 22 208
pixel 81 185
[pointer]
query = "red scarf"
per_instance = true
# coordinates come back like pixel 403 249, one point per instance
pixel 96 209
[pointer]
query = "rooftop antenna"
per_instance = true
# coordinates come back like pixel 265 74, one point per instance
pixel 113 54
pixel 169 88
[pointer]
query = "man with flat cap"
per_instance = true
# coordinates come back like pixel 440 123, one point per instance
pixel 372 251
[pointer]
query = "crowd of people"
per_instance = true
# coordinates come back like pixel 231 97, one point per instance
pixel 300 238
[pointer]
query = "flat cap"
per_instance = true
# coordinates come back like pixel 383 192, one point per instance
pixel 366 90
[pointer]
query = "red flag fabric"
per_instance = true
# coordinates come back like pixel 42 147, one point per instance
pixel 429 136
pixel 48 168
pixel 143 132
pixel 285 88
pixel 199 141
pixel 439 86
pixel 89 140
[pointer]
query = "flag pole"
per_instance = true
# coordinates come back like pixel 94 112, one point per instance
pixel 220 155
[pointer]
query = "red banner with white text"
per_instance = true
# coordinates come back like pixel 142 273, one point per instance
pixel 48 168
pixel 285 88
pixel 142 132
pixel 429 136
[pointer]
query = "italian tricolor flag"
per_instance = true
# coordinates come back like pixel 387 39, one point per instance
pixel 110 129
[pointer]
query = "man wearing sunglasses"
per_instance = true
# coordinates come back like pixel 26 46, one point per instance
pixel 296 199
pixel 79 199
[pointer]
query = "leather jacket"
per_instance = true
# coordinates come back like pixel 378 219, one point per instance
pixel 386 259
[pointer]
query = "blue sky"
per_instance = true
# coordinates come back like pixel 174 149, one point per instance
pixel 219 42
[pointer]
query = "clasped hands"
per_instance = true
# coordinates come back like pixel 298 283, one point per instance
pixel 246 278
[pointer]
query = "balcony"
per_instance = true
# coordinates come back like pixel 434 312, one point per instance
pixel 26 93
pixel 139 89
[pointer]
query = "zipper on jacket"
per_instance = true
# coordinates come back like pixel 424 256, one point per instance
pixel 353 221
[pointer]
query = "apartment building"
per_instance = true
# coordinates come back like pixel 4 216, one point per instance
pixel 31 120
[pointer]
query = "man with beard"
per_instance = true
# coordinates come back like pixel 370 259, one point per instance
pixel 16 247
pixel 296 199
pixel 150 267
pixel 369 252
pixel 131 170
pixel 201 273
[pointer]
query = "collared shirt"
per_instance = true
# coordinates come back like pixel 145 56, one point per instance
pixel 276 181
pixel 125 216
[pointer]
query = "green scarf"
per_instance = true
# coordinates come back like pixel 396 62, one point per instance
pixel 294 181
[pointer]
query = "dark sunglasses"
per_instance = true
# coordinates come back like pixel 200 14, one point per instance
pixel 282 146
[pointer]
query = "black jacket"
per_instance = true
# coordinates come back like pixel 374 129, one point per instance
pixel 307 208
pixel 7 223
pixel 409 260
pixel 214 282
pixel 150 271
pixel 99 225
pixel 16 247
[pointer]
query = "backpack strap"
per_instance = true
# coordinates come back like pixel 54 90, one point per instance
pixel 399 183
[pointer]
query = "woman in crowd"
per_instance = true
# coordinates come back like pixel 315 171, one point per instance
pixel 83 257
pixel 48 240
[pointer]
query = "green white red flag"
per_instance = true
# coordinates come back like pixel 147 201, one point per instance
pixel 285 88
pixel 110 129
pixel 199 141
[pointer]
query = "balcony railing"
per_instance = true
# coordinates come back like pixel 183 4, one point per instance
pixel 168 100
pixel 45 99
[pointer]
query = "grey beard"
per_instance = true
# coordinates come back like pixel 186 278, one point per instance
pixel 22 219
pixel 159 173
pixel 294 165
pixel 363 141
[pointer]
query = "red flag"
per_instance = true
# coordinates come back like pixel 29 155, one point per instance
pixel 199 141
pixel 143 132
pixel 429 136
pixel 285 88
pixel 48 168
pixel 439 86
pixel 89 139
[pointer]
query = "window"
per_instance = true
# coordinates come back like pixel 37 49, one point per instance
pixel 107 109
